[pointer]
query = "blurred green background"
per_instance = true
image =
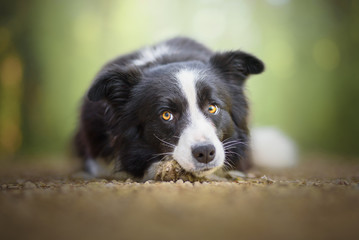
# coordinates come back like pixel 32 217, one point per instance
pixel 50 50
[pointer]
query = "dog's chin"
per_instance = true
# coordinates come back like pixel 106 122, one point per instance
pixel 204 171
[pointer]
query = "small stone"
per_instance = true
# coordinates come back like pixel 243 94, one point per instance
pixel 20 181
pixel 129 180
pixel 149 182
pixel 13 186
pixel 41 184
pixel 267 179
pixel 29 185
pixel 342 182
pixel 179 181
pixel 51 184
pixel 241 182
pixel 110 185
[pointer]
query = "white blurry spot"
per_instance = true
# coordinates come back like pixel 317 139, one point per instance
pixel 92 167
pixel 97 168
pixel 272 148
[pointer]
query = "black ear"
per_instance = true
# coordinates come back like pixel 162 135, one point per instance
pixel 237 63
pixel 113 83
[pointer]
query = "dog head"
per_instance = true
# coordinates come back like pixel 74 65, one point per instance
pixel 186 110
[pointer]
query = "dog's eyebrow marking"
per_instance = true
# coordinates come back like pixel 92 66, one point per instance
pixel 151 54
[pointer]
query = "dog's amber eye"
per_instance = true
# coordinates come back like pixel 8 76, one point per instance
pixel 213 109
pixel 167 116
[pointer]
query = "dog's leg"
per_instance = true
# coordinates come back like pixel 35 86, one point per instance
pixel 92 167
pixel 96 168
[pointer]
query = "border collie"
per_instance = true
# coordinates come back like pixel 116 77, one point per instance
pixel 177 98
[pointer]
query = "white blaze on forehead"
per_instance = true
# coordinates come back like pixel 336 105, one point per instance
pixel 187 80
pixel 151 54
pixel 199 129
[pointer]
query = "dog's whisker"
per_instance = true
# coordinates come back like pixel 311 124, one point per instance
pixel 231 153
pixel 229 140
pixel 159 155
pixel 163 158
pixel 230 147
pixel 165 142
pixel 230 143
pixel 233 145
pixel 227 166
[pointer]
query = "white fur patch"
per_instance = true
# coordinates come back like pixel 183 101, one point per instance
pixel 200 129
pixel 151 54
pixel 92 167
pixel 187 80
pixel 97 168
pixel 271 148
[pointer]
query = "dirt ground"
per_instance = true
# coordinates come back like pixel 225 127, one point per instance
pixel 317 200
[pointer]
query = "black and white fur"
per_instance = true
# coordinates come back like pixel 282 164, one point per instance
pixel 121 114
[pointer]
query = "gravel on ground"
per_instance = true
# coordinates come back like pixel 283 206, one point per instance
pixel 316 200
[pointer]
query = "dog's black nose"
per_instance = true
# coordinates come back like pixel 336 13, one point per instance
pixel 204 152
